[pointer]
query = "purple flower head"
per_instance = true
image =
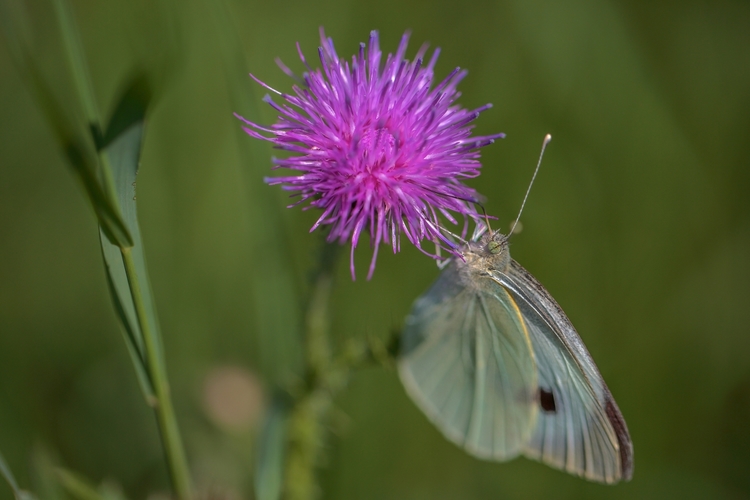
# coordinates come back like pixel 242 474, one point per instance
pixel 376 148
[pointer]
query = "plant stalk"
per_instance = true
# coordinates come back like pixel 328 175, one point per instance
pixel 165 416
pixel 310 415
pixel 154 358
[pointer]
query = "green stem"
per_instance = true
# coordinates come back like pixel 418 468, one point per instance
pixel 154 358
pixel 327 373
pixel 324 378
pixel 165 416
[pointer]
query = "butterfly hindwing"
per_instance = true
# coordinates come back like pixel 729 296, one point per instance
pixel 467 361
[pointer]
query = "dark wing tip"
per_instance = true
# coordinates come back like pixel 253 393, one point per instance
pixel 623 438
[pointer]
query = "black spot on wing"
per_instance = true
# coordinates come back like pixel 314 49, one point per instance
pixel 547 400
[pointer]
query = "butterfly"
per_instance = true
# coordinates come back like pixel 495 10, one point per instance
pixel 493 361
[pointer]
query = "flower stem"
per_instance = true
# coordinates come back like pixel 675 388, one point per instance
pixel 324 378
pixel 327 373
pixel 165 416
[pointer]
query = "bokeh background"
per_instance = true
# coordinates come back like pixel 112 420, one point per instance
pixel 638 224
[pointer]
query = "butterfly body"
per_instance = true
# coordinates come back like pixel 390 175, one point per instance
pixel 495 364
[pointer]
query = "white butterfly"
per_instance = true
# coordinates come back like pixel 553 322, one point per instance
pixel 495 364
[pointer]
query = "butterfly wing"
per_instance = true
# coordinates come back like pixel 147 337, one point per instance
pixel 467 362
pixel 579 428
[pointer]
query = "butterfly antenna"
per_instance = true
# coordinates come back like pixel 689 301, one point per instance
pixel 486 217
pixel 547 138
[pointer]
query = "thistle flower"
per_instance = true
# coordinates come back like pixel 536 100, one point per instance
pixel 377 149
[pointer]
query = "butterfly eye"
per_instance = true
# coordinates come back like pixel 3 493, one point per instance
pixel 493 246
pixel 547 400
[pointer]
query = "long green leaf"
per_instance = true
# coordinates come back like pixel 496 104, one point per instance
pixel 113 178
pixel 118 147
pixel 18 493
pixel 78 148
pixel 128 277
pixel 81 157
pixel 121 143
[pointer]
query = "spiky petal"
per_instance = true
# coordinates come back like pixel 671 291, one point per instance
pixel 377 149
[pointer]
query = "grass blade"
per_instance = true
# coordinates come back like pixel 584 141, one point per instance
pixel 127 272
pixel 78 147
pixel 107 164
pixel 121 143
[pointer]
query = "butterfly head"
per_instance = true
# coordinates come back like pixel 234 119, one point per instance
pixel 498 243
pixel 490 252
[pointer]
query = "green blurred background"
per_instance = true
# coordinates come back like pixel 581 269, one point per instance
pixel 638 224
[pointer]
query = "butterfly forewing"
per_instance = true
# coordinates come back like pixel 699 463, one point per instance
pixel 579 428
pixel 467 362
